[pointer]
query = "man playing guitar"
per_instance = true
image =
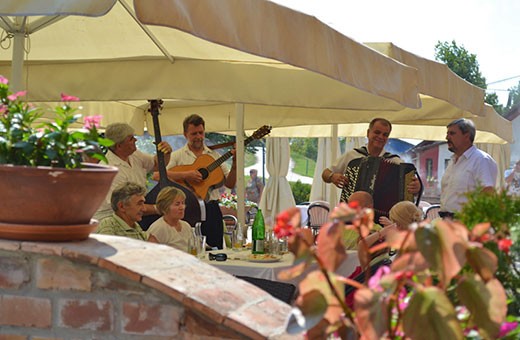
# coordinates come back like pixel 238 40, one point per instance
pixel 194 127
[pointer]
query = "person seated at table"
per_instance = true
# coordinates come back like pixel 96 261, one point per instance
pixel 365 201
pixel 170 229
pixel 127 201
pixel 401 215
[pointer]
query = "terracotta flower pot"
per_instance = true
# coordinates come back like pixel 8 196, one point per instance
pixel 51 197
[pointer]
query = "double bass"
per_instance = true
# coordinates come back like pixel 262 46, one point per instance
pixel 195 210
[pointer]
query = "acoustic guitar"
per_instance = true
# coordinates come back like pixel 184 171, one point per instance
pixel 212 174
pixel 195 209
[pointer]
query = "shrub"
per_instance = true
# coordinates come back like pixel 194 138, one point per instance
pixel 301 191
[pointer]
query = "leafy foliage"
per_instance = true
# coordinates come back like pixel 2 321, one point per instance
pixel 307 147
pixel 50 144
pixel 441 285
pixel 460 61
pixel 466 66
pixel 301 191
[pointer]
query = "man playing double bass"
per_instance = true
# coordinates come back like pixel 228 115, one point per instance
pixel 180 170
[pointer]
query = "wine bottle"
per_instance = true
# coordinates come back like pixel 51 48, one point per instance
pixel 258 233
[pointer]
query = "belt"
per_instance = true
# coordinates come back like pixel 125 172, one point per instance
pixel 446 214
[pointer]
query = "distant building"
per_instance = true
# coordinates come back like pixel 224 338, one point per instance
pixel 514 116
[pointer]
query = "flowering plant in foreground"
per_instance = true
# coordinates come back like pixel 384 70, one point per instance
pixel 441 285
pixel 24 142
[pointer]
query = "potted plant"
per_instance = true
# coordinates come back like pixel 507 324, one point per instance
pixel 46 185
pixel 442 284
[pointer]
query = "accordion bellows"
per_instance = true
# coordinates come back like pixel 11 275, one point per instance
pixel 385 180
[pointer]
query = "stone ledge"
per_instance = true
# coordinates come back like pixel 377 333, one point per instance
pixel 199 287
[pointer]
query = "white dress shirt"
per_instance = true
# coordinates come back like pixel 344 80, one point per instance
pixel 473 168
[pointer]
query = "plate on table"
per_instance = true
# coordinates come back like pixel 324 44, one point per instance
pixel 263 258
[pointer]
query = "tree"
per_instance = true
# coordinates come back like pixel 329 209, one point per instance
pixel 307 147
pixel 514 97
pixel 466 66
pixel 460 61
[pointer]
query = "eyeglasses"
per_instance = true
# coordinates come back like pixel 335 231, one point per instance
pixel 217 257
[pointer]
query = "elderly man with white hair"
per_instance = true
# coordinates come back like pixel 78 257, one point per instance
pixel 133 164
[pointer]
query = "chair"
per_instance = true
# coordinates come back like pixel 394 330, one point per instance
pixel 432 212
pixel 283 291
pixel 230 223
pixel 317 214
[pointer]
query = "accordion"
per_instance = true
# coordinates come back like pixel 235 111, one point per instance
pixel 385 180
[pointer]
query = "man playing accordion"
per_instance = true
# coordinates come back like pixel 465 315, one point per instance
pixel 349 169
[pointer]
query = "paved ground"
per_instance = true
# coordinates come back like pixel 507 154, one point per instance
pixel 291 176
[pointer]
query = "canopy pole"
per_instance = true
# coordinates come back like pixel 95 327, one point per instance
pixel 17 62
pixel 334 152
pixel 240 152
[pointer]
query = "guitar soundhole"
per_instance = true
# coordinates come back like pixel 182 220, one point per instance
pixel 204 172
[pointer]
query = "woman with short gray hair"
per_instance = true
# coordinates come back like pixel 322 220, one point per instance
pixel 170 229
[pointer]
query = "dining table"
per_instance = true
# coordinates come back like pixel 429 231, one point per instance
pixel 240 263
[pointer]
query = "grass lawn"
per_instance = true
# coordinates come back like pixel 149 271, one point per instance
pixel 303 166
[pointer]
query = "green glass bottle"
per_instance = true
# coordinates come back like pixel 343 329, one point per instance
pixel 258 233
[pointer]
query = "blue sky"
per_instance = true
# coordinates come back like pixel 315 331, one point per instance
pixel 488 28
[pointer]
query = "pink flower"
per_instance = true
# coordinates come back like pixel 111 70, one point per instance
pixel 3 80
pixel 507 327
pixel 92 121
pixel 67 98
pixel 373 282
pixel 13 96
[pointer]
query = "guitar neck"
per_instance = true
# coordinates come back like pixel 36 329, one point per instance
pixel 218 162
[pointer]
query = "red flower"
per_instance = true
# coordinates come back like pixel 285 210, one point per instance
pixel 504 245
pixel 354 204
pixel 283 225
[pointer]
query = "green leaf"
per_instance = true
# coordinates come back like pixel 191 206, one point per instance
pixel 483 262
pixel 487 303
pixel 371 313
pixel 428 245
pixel 431 316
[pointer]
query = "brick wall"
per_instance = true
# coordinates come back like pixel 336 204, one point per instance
pixel 110 287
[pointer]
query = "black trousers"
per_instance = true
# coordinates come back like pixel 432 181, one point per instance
pixel 213 227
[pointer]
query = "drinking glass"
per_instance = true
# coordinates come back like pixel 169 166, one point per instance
pixel 201 246
pixel 238 238
pixel 197 246
pixel 274 244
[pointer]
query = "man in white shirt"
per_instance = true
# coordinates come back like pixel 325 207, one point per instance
pixel 133 164
pixel 181 169
pixel 346 169
pixel 468 169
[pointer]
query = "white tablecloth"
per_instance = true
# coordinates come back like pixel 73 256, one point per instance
pixel 237 265
pixel 303 211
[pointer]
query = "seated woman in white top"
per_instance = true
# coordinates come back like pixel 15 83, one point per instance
pixel 170 229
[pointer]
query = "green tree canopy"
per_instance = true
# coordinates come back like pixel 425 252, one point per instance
pixel 460 61
pixel 466 66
